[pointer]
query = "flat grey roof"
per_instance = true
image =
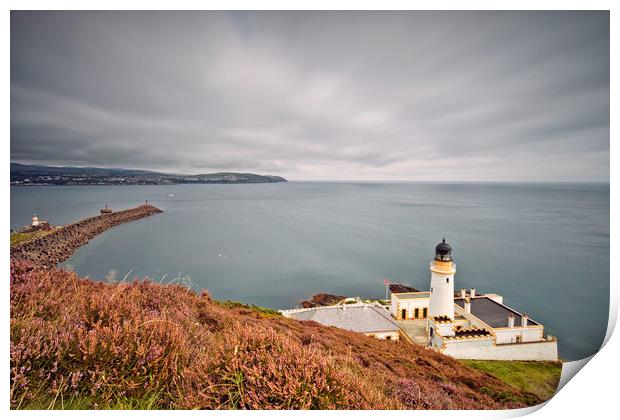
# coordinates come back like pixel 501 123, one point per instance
pixel 412 295
pixel 493 314
pixel 364 319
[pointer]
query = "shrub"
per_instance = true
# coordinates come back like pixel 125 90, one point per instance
pixel 77 343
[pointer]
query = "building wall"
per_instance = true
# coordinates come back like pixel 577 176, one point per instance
pixel 384 335
pixel 397 305
pixel 528 334
pixel 436 341
pixel 445 329
pixel 497 298
pixel 485 350
pixel 393 305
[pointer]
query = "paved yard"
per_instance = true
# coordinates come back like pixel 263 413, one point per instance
pixel 415 329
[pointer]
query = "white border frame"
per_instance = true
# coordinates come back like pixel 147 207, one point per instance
pixel 589 394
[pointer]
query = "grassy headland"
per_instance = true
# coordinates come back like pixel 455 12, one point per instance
pixel 539 378
pixel 77 343
pixel 21 237
pixel 18 237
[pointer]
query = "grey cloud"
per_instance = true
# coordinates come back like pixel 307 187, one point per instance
pixel 316 95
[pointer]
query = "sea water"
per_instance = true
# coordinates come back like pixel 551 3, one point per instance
pixel 544 247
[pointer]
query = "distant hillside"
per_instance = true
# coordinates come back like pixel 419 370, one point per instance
pixel 239 177
pixel 65 175
pixel 77 343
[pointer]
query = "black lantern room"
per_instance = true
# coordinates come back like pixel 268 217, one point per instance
pixel 443 251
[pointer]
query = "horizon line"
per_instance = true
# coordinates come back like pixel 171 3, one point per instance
pixel 337 180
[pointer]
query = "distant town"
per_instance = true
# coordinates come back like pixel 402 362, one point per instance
pixel 53 175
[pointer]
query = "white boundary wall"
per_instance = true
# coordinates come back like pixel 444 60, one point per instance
pixel 528 334
pixel 485 350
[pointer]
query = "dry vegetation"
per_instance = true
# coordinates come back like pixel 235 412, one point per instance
pixel 76 343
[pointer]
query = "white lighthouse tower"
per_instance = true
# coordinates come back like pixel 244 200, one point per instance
pixel 442 282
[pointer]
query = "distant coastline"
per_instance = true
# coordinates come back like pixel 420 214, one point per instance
pixel 38 175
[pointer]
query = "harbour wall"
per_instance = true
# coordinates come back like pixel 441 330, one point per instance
pixel 59 245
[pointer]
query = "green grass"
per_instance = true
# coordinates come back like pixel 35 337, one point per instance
pixel 539 378
pixel 86 402
pixel 231 304
pixel 17 238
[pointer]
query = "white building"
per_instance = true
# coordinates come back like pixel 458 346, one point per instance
pixel 370 319
pixel 410 305
pixel 470 325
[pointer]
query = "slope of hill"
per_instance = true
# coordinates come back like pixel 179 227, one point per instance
pixel 77 343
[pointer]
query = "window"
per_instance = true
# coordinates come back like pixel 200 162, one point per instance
pixel 431 290
pixel 388 337
pixel 403 314
pixel 519 338
pixel 448 280
pixel 416 313
pixel 424 312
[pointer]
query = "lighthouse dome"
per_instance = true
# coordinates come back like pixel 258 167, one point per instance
pixel 443 251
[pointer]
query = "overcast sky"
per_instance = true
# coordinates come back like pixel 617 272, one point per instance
pixel 485 96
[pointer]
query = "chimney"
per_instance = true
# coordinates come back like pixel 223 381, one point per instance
pixel 472 292
pixel 511 321
pixel 468 305
pixel 524 318
pixel 463 294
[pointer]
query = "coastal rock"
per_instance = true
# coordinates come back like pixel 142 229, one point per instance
pixel 322 299
pixel 401 288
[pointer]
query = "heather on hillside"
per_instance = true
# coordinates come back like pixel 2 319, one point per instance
pixel 77 343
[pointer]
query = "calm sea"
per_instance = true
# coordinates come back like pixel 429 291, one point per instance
pixel 544 247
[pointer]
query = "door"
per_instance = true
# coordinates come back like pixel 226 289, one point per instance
pixel 403 314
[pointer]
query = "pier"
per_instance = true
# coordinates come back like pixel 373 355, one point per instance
pixel 59 245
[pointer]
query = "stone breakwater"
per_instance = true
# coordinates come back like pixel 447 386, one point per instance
pixel 59 245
